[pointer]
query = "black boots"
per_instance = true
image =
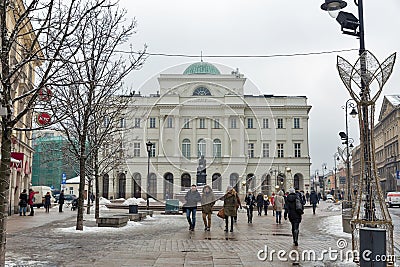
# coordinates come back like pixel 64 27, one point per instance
pixel 295 237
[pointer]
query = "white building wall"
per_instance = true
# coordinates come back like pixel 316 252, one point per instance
pixel 226 102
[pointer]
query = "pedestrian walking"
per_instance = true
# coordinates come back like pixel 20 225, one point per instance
pixel 23 202
pixel 47 202
pixel 207 203
pixel 308 197
pixel 31 199
pixel 230 206
pixel 250 201
pixel 313 200
pixel 61 200
pixel 238 205
pixel 266 204
pixel 260 203
pixel 293 213
pixel 272 200
pixel 319 196
pixel 279 204
pixel 192 197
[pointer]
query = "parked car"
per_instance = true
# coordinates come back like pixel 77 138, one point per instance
pixel 393 199
pixel 330 197
pixel 67 198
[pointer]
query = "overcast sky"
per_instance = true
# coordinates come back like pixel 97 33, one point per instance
pixel 270 27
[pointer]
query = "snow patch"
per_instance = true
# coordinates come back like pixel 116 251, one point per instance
pixel 104 201
pixel 86 229
pixel 131 201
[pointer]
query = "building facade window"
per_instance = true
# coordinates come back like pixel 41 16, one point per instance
pixel 170 121
pixel 136 149
pixel 202 123
pixel 280 150
pixel 106 121
pixel 137 123
pixel 153 150
pixel 122 122
pixel 152 123
pixel 250 123
pixel 186 148
pixel 201 91
pixel 296 123
pixel 186 123
pixel 265 151
pixel 217 148
pixel 216 124
pixel 280 123
pixel 250 150
pixel 265 123
pixel 233 123
pixel 297 150
pixel 201 148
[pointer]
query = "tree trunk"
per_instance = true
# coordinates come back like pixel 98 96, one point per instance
pixel 82 173
pixel 96 182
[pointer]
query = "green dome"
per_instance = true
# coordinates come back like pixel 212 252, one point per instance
pixel 201 68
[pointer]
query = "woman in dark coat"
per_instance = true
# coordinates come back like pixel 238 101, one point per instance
pixel 23 202
pixel 294 216
pixel 230 204
pixel 260 203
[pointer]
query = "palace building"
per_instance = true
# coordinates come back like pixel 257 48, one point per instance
pixel 256 142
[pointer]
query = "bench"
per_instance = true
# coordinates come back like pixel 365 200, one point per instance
pixel 142 214
pixel 132 217
pixel 149 212
pixel 112 221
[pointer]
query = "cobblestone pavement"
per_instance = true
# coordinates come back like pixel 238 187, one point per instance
pixel 164 240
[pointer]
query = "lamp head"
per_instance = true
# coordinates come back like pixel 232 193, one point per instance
pixel 343 135
pixel 353 113
pixel 149 146
pixel 332 5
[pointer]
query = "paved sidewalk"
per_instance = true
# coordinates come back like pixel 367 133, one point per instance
pixel 164 240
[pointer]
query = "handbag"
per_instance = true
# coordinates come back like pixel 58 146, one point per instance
pixel 221 213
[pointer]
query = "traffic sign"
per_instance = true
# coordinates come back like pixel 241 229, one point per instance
pixel 64 178
pixel 342 180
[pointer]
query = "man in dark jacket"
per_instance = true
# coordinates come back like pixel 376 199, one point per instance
pixel 313 200
pixel 260 203
pixel 192 198
pixel 250 200
pixel 293 214
pixel 61 199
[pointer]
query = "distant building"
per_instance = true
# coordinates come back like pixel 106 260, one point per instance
pixel 257 142
pixel 51 159
pixel 387 137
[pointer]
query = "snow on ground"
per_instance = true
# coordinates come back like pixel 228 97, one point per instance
pixel 131 201
pixel 332 225
pixel 95 229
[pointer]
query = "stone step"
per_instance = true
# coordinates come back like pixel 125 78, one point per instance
pixel 112 221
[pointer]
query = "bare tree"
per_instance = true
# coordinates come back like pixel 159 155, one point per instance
pixel 90 80
pixel 33 36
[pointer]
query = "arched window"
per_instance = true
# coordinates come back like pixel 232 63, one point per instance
pixel 186 148
pixel 217 148
pixel 153 185
pixel 136 185
pixel 201 148
pixel 201 91
pixel 106 180
pixel 234 181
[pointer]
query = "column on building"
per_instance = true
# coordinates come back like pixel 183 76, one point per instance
pixel 161 131
pixel 226 140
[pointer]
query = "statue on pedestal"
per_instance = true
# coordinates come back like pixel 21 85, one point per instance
pixel 201 171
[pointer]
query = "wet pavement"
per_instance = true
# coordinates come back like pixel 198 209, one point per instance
pixel 164 240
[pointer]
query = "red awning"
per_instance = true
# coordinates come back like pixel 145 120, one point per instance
pixel 19 157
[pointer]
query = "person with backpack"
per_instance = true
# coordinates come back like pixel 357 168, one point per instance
pixel 294 210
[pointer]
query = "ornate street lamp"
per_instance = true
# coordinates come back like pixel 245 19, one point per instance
pixel 370 210
pixel 149 147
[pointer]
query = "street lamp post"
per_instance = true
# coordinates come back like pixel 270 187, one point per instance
pixel 370 209
pixel 353 113
pixel 149 146
pixel 335 158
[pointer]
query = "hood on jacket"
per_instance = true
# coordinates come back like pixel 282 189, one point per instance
pixel 207 186
pixel 291 197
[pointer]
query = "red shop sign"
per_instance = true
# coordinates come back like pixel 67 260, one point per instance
pixel 43 118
